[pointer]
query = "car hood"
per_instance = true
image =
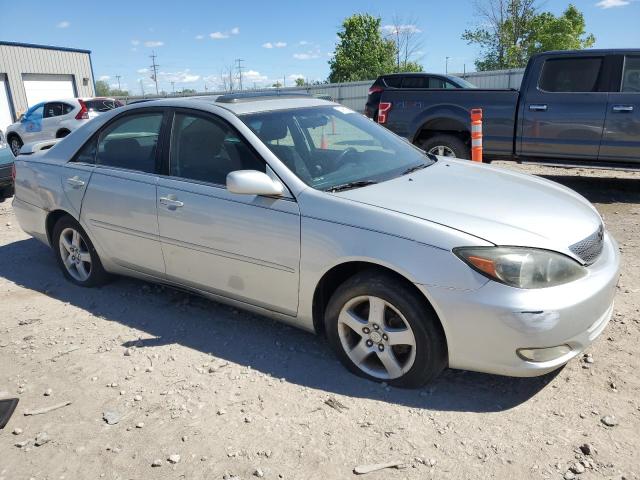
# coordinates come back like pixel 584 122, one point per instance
pixel 497 205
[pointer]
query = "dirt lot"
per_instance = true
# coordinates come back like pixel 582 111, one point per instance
pixel 236 395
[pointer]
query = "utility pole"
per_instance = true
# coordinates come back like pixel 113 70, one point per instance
pixel 446 65
pixel 142 87
pixel 239 62
pixel 118 78
pixel 173 87
pixel 154 67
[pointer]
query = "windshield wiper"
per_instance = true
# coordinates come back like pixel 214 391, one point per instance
pixel 349 185
pixel 415 168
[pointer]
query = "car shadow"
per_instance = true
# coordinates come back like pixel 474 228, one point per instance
pixel 601 189
pixel 170 316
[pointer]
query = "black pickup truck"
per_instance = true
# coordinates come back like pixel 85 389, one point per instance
pixel 573 108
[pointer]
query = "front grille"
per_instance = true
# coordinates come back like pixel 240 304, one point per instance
pixel 590 248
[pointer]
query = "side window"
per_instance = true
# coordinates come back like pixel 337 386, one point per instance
pixel 131 142
pixel 435 82
pixel 631 75
pixel 87 153
pixel 66 108
pixel 570 74
pixel 393 82
pixel 52 109
pixel 206 150
pixel 449 85
pixel 415 82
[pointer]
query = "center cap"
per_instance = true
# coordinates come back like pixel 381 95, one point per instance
pixel 375 337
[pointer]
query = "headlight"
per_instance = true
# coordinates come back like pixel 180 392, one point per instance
pixel 522 267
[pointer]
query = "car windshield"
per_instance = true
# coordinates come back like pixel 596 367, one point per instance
pixel 334 148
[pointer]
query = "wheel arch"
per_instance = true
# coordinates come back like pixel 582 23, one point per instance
pixel 51 220
pixel 339 273
pixel 449 120
pixel 62 132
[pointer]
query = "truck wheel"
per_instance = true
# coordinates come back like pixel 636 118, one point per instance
pixel 445 146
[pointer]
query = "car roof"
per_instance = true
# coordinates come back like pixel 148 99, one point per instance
pixel 245 105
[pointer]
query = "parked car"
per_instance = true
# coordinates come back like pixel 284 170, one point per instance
pixel 409 80
pixel 305 211
pixel 6 170
pixel 574 108
pixel 56 119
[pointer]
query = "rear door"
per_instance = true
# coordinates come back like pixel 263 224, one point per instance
pixel 564 109
pixel 53 111
pixel 621 138
pixel 244 247
pixel 119 206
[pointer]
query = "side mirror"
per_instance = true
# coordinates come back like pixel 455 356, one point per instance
pixel 253 182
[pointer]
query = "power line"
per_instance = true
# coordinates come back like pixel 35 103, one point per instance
pixel 239 62
pixel 154 66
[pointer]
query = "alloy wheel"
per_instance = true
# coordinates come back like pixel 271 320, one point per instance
pixel 15 146
pixel 442 151
pixel 75 254
pixel 376 337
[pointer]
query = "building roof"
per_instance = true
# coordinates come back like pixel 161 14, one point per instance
pixel 45 47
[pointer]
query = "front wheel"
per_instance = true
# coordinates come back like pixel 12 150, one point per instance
pixel 15 144
pixel 76 255
pixel 382 330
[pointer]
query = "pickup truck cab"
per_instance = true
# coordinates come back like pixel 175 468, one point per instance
pixel 573 108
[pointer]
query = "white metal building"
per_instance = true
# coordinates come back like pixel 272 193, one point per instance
pixel 30 74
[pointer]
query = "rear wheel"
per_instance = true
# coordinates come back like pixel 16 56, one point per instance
pixel 383 331
pixel 76 255
pixel 445 145
pixel 15 143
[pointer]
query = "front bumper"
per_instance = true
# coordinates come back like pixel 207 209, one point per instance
pixel 485 327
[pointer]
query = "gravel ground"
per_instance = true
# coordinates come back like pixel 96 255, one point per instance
pixel 163 384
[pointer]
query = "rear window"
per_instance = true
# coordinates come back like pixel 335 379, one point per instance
pixel 101 105
pixel 415 82
pixel 570 74
pixel 393 82
pixel 631 75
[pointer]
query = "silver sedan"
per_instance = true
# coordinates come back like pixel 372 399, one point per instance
pixel 303 210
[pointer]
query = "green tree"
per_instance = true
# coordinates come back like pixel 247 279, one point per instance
pixel 361 53
pixel 513 30
pixel 102 88
pixel 277 85
pixel 300 82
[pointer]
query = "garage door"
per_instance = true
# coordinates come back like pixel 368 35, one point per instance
pixel 5 109
pixel 41 88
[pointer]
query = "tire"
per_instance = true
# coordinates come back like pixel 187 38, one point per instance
pixel 15 143
pixel 62 133
pixel 86 270
pixel 446 145
pixel 352 332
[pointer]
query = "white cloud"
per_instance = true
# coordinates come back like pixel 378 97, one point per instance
pixel 303 42
pixel 184 76
pixel 104 78
pixel 218 35
pixel 393 29
pixel 63 24
pixel 235 31
pixel 274 45
pixel 135 43
pixel 612 3
pixel 252 76
pixel 153 43
pixel 305 56
pixel 142 70
pixel 294 76
pixel 199 37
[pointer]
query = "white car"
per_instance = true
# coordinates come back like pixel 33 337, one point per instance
pixel 55 119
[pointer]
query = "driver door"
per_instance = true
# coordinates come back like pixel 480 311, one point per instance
pixel 32 124
pixel 244 247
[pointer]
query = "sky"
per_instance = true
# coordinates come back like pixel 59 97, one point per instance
pixel 196 42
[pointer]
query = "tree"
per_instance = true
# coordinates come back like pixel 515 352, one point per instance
pixel 513 30
pixel 404 33
pixel 103 90
pixel 300 82
pixel 361 53
pixel 277 85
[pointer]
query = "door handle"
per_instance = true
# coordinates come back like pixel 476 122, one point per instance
pixel 75 182
pixel 623 108
pixel 170 201
pixel 538 108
